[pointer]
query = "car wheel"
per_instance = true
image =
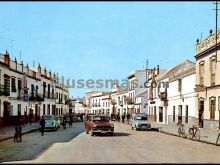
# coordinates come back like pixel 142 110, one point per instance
pixel 136 128
pixel 132 128
pixel 93 133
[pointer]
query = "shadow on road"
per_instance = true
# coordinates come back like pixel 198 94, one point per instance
pixel 121 134
pixel 115 134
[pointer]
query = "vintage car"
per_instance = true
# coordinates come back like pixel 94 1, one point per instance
pixel 140 122
pixel 99 124
pixel 50 122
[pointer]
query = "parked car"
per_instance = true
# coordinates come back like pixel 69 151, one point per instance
pixel 59 122
pixel 50 122
pixel 99 124
pixel 140 122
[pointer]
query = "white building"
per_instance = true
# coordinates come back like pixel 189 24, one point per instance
pixel 181 95
pixel 79 107
pixel 27 91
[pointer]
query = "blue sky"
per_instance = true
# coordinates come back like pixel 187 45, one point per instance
pixel 103 40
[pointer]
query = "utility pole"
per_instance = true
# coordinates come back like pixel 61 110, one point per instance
pixel 216 27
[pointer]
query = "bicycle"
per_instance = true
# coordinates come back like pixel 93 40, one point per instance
pixel 181 130
pixel 194 132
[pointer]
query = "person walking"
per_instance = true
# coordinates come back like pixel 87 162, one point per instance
pixel 128 117
pixel 16 129
pixel 42 125
pixel 123 117
pixel 19 128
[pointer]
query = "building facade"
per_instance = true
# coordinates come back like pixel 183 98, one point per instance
pixel 207 57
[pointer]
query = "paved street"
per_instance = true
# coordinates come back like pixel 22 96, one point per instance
pixel 33 143
pixel 129 146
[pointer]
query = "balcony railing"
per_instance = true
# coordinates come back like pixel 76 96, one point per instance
pixel 4 90
pixel 36 97
pixel 130 101
pixel 50 95
pixel 121 103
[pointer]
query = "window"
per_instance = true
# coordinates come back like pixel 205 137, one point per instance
pixel 180 85
pixel 186 118
pixel 212 71
pixel 44 88
pixel 13 85
pixel 201 73
pixel 174 114
pixel 48 89
pixel 19 84
pixel 219 103
pixel 37 90
pixel 180 113
pixel 43 109
pixel 32 90
pixel 212 108
pixel 48 109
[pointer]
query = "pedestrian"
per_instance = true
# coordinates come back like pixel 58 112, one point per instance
pixel 30 118
pixel 20 123
pixel 16 129
pixel 128 117
pixel 42 125
pixel 123 117
pixel 118 117
pixel 71 120
pixel 81 116
pixel 26 117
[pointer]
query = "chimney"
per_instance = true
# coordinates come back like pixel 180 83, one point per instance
pixel 54 77
pixel 7 58
pixel 39 69
pixel 158 69
pixel 45 71
pixel 50 74
pixel 16 63
pixel 27 68
pixel 22 66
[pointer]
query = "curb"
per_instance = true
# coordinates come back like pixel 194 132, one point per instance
pixel 202 141
pixel 12 136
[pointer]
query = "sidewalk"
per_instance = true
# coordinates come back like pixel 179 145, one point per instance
pixel 9 131
pixel 206 135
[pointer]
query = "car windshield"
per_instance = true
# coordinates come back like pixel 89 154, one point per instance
pixel 100 118
pixel 141 118
pixel 48 117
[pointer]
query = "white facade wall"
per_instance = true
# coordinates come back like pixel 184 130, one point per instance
pixel 188 97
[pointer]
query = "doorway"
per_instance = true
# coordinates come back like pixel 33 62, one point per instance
pixel 201 111
pixel 6 113
pixel 180 113
pixel 160 114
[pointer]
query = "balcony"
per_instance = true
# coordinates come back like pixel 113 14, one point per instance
pixel 20 95
pixel 130 101
pixel 163 96
pixel 4 90
pixel 36 97
pixel 113 102
pixel 50 95
pixel 121 103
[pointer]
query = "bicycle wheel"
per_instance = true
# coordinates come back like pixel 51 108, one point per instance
pixel 191 133
pixel 197 134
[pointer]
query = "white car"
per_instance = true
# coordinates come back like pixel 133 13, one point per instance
pixel 140 122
